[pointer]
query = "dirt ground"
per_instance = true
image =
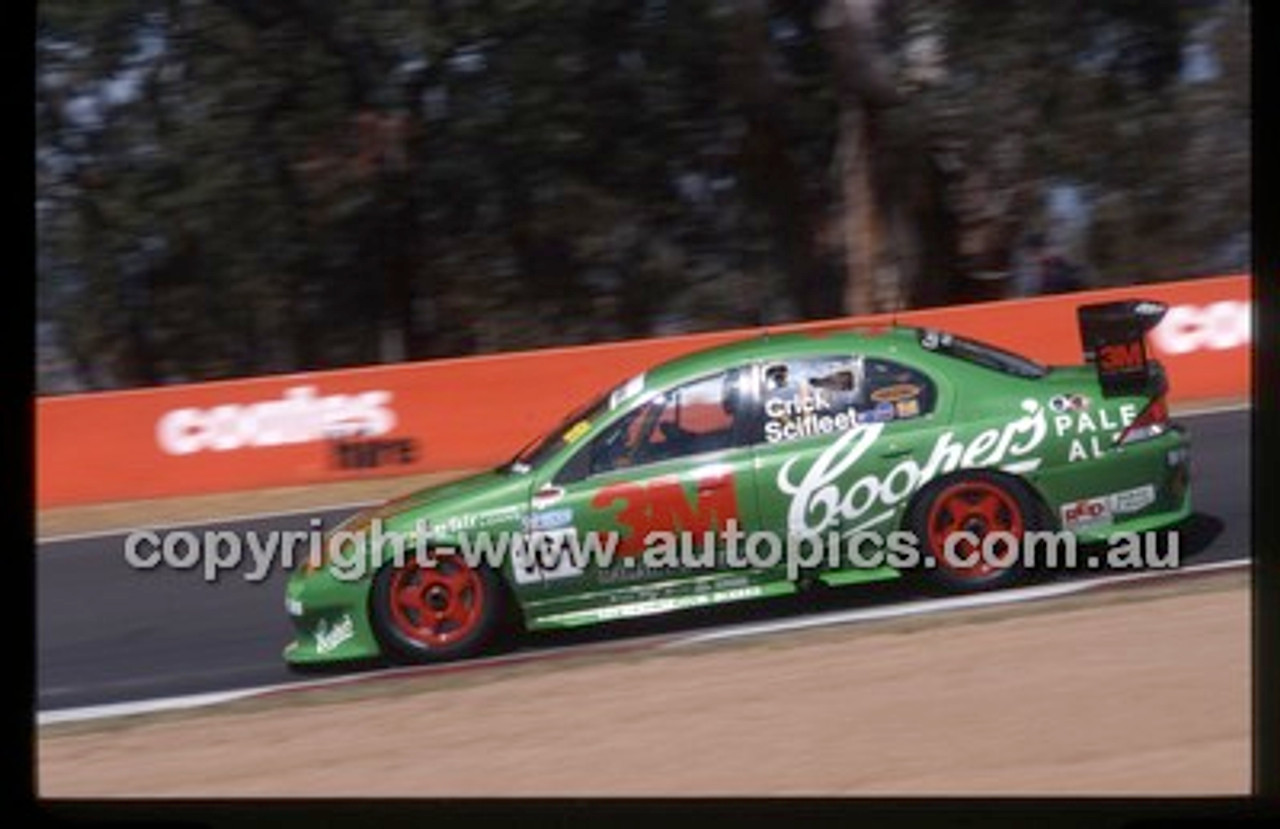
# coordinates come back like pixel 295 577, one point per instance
pixel 1149 694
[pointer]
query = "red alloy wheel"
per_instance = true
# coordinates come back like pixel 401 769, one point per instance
pixel 977 507
pixel 438 605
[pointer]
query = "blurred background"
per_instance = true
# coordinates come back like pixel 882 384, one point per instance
pixel 228 188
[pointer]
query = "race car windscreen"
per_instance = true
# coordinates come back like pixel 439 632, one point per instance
pixel 982 354
pixel 569 430
pixel 574 426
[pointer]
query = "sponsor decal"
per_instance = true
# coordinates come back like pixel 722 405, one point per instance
pixel 627 391
pixel 370 454
pixel 1069 403
pixel 781 408
pixel 894 393
pixel 547 496
pixel 1121 356
pixel 300 416
pixel 1093 433
pixel 795 419
pixel 664 504
pixel 648 606
pixel 576 431
pixel 736 593
pixel 1101 510
pixel 825 494
pixel 479 520
pixel 627 570
pixel 546 557
pixel 880 413
pixel 732 582
pixel 1088 512
pixel 1133 500
pixel 1217 326
pixel 330 637
pixel 550 520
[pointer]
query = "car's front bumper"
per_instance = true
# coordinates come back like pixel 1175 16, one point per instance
pixel 331 619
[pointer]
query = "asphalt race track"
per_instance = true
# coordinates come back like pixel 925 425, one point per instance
pixel 108 633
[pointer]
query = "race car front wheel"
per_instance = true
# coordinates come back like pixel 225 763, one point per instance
pixel 971 529
pixel 436 611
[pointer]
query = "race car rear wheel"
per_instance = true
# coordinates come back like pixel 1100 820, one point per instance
pixel 437 612
pixel 980 504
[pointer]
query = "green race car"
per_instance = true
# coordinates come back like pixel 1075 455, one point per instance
pixel 759 469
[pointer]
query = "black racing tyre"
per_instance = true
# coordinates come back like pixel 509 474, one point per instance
pixel 980 503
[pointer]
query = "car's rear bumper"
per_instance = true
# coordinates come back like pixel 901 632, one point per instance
pixel 1136 488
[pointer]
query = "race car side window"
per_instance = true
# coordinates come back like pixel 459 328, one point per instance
pixel 811 396
pixel 692 419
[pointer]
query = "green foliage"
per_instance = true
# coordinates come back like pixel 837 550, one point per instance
pixel 231 187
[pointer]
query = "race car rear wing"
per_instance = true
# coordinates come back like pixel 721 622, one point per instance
pixel 1114 338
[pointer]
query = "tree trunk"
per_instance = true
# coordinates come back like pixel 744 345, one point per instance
pixel 772 174
pixel 870 218
pixel 862 235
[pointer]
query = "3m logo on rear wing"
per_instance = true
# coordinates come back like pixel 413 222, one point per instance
pixel 1114 338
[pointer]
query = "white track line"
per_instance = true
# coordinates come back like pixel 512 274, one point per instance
pixel 151 706
pixel 262 516
pixel 179 703
pixel 931 606
pixel 920 608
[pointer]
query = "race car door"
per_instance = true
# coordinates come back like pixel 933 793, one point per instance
pixel 678 463
pixel 828 423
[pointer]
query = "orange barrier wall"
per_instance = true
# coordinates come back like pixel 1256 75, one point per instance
pixel 476 411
